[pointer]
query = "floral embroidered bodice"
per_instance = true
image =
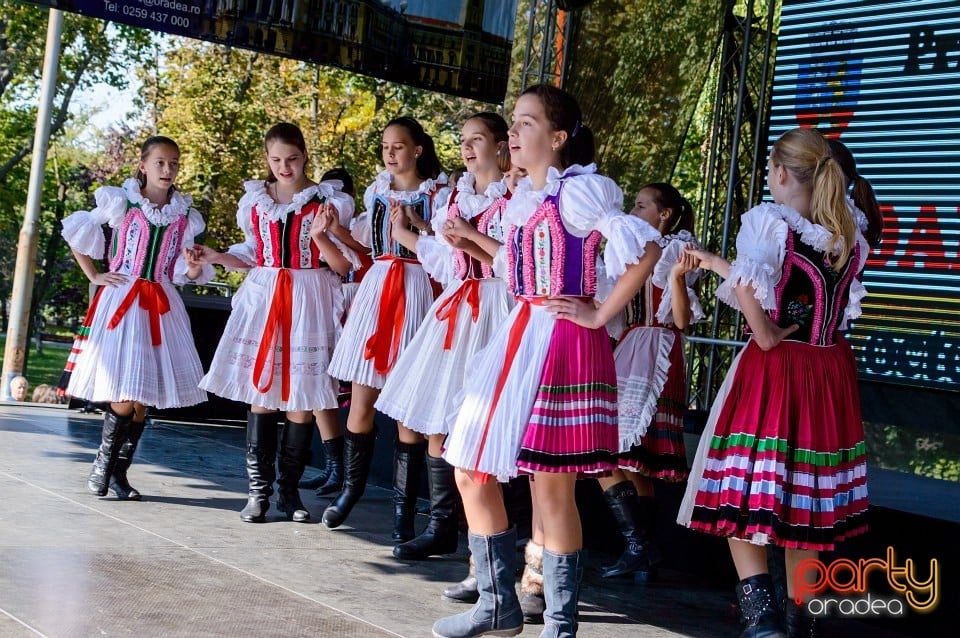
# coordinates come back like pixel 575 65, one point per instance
pixel 146 244
pixel 811 293
pixel 546 259
pixel 282 231
pixel 488 223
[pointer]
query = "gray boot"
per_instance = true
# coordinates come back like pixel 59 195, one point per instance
pixel 497 612
pixel 561 589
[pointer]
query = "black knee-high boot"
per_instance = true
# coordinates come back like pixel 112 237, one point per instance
pixel 442 532
pixel 294 451
pixel 357 456
pixel 407 473
pixel 114 430
pixel 330 478
pixel 635 516
pixel 261 468
pixel 119 483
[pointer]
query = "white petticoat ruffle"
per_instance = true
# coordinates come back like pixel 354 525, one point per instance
pixel 642 360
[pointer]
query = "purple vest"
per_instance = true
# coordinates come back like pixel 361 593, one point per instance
pixel 545 259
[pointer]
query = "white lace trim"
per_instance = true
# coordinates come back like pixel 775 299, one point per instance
pixel 672 245
pixel 760 276
pixel 641 412
pixel 525 200
pixel 179 204
pixel 853 309
pixel 470 202
pixel 270 209
pixel 627 238
pixel 383 185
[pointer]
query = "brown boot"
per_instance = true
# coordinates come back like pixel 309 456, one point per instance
pixel 531 584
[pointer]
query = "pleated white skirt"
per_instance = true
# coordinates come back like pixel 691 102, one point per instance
pixel 348 363
pixel 424 388
pixel 314 328
pixel 500 444
pixel 122 364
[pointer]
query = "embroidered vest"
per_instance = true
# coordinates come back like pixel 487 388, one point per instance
pixel 545 259
pixel 488 223
pixel 811 293
pixel 145 250
pixel 383 243
pixel 286 242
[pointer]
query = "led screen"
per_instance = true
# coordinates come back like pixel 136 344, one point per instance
pixel 884 77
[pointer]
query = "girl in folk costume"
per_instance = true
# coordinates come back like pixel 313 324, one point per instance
pixel 785 463
pixel 391 302
pixel 651 380
pixel 137 347
pixel 542 395
pixel 285 320
pixel 458 324
pixel 330 478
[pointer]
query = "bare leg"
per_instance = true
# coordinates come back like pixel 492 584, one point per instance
pixel 328 423
pixel 362 398
pixel 482 504
pixel 554 499
pixel 748 558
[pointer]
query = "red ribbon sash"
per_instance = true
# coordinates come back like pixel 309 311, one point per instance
pixel 469 290
pixel 151 298
pixel 384 345
pixel 279 322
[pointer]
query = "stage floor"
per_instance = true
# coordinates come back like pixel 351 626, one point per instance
pixel 181 563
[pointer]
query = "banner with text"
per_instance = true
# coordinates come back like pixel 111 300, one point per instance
pixel 461 47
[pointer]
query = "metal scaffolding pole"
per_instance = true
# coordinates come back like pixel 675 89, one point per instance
pixel 13 354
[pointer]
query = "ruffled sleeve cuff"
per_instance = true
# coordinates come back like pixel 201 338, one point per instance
pixel 83 234
pixel 853 309
pixel 180 268
pixel 436 257
pixel 83 230
pixel 343 203
pixel 501 264
pixel 665 310
pixel 627 238
pixel 661 279
pixel 761 244
pixel 245 253
pixel 361 230
pixel 195 226
pixel 762 277
pixel 348 253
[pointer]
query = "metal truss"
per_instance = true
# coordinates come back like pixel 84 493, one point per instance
pixel 734 177
pixel 549 32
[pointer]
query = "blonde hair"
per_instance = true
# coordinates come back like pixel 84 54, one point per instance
pixel 806 154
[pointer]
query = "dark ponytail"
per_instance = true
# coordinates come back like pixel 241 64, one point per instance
pixel 863 196
pixel 681 211
pixel 428 164
pixel 564 114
